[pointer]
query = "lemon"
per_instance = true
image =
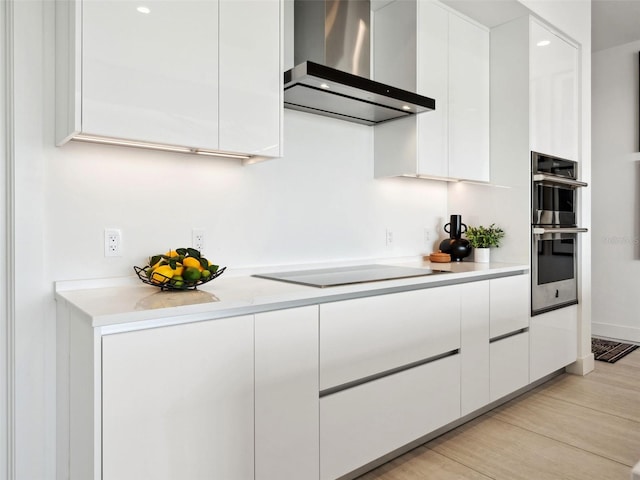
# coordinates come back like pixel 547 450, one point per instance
pixel 191 274
pixel 162 274
pixel 192 263
pixel 178 270
pixel 171 254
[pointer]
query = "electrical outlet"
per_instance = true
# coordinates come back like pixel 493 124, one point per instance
pixel 427 236
pixel 112 242
pixel 197 239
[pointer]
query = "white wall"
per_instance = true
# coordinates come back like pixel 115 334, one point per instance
pixel 320 203
pixel 616 193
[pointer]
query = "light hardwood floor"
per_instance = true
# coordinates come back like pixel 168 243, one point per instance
pixel 568 428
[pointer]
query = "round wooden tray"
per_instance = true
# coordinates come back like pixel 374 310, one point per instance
pixel 440 257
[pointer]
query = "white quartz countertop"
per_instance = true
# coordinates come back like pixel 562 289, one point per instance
pixel 123 304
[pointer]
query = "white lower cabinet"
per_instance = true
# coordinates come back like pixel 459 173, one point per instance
pixel 474 346
pixel 509 360
pixel 286 394
pixel 367 336
pixel 177 402
pixel 363 423
pixel 554 341
pixel 313 392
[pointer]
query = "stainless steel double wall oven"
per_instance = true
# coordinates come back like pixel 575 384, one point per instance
pixel 555 232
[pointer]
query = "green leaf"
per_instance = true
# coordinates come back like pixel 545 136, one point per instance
pixel 213 268
pixel 172 263
pixel 204 263
pixel 155 259
pixel 193 253
pixel 181 251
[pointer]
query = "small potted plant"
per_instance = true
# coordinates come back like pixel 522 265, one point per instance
pixel 482 238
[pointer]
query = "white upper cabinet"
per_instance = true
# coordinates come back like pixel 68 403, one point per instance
pixel 250 77
pixel 468 100
pixel 424 46
pixel 171 74
pixel 553 78
pixel 151 76
pixel 433 38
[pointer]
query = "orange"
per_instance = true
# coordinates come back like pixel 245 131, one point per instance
pixel 192 262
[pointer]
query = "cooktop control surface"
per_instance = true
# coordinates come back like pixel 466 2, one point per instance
pixel 333 277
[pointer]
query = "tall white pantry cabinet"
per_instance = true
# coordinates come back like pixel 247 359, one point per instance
pixel 534 96
pixel 177 75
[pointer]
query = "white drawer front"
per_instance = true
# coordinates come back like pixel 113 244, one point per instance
pixel 509 360
pixel 509 305
pixel 554 341
pixel 363 423
pixel 370 335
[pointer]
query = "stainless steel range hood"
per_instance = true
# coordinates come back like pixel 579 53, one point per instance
pixel 331 77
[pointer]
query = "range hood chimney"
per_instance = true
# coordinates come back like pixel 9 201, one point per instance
pixel 332 73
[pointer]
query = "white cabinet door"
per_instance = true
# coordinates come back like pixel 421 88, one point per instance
pixel 250 77
pixel 181 75
pixel 151 77
pixel 286 394
pixel 367 336
pixel 433 81
pixel 553 93
pixel 177 402
pixel 394 63
pixel 468 100
pixel 509 304
pixel 509 360
pixel 363 423
pixel 474 348
pixel 554 341
pixel 451 65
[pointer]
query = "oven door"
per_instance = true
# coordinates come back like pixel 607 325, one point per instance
pixel 554 268
pixel 553 204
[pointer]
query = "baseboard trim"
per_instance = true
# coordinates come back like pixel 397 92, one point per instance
pixel 618 332
pixel 582 365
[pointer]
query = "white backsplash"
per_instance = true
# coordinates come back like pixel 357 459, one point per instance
pixel 318 203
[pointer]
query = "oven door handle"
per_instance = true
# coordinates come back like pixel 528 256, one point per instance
pixel 541 177
pixel 542 230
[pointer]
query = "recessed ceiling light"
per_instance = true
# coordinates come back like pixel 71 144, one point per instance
pixel 543 43
pixel 406 107
pixel 325 86
pixel 143 9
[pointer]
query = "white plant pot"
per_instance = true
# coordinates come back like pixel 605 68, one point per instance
pixel 481 255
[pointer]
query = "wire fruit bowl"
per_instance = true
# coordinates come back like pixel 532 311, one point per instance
pixel 166 283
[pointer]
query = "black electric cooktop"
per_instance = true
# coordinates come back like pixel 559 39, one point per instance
pixel 333 277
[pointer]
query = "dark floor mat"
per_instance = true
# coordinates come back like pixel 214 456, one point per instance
pixel 610 351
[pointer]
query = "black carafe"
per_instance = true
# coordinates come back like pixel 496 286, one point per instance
pixel 455 245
